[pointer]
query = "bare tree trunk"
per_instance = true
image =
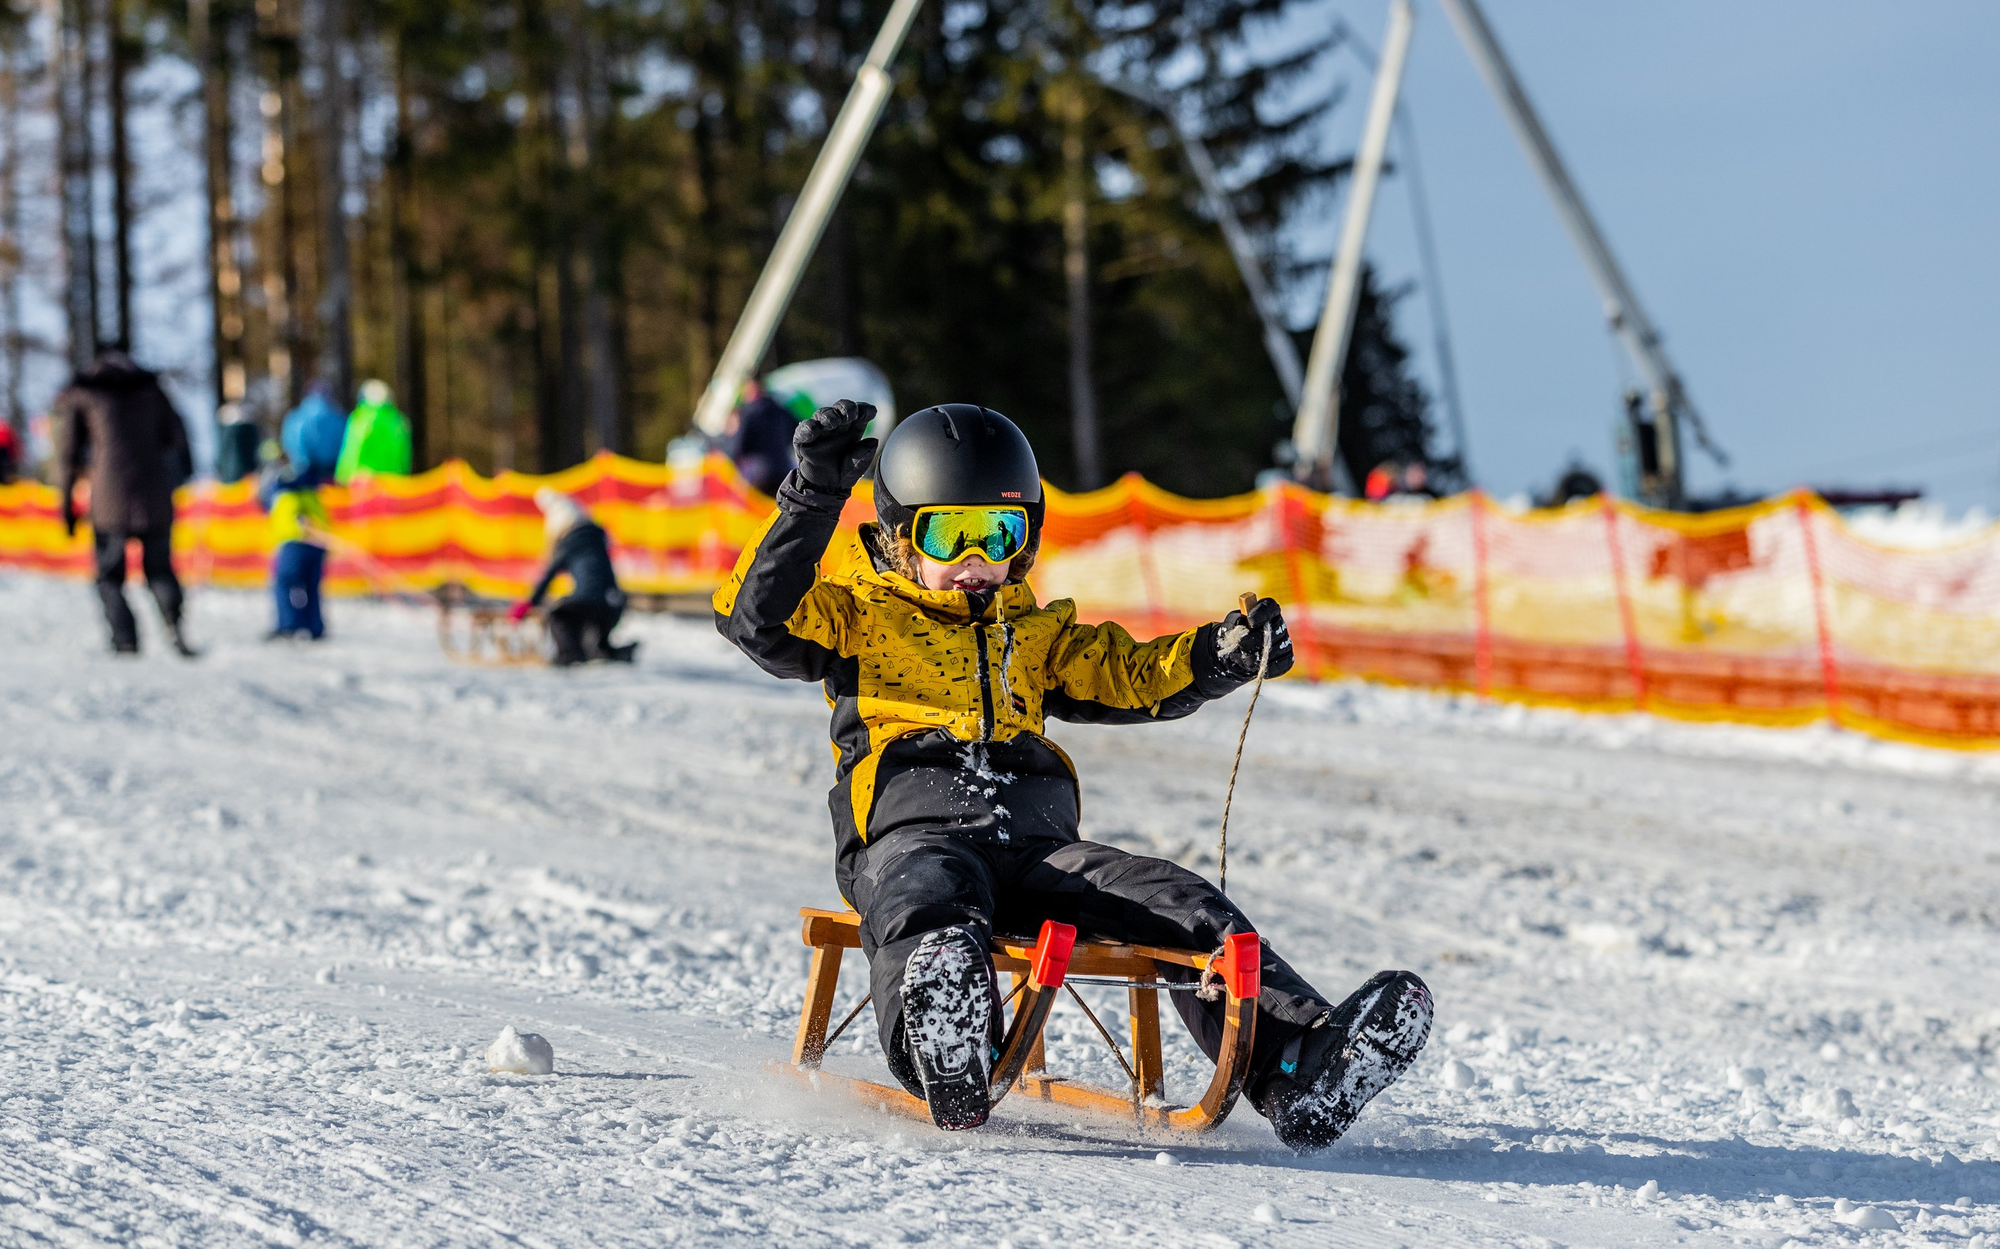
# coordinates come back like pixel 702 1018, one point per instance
pixel 548 383
pixel 601 375
pixel 73 93
pixel 708 241
pixel 447 448
pixel 13 344
pixel 569 353
pixel 336 285
pixel 591 165
pixel 280 104
pixel 500 400
pixel 225 279
pixel 406 277
pixel 1076 269
pixel 842 275
pixel 564 148
pixel 297 205
pixel 532 338
pixel 122 54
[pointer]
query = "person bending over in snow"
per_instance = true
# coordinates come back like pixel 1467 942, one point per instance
pixel 953 814
pixel 581 622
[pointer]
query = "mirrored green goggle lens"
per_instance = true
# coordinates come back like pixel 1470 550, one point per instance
pixel 949 535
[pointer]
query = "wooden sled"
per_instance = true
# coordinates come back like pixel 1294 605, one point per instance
pixel 1040 969
pixel 483 635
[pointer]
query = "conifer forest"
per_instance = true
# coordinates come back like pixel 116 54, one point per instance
pixel 539 219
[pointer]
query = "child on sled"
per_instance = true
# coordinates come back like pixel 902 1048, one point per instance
pixel 954 815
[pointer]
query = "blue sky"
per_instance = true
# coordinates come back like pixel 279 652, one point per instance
pixel 1803 193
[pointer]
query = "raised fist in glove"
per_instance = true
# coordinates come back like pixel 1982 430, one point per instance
pixel 828 445
pixel 1239 642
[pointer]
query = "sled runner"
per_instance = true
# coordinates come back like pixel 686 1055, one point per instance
pixel 1040 970
pixel 471 633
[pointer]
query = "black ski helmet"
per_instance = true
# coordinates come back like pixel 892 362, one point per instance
pixel 953 454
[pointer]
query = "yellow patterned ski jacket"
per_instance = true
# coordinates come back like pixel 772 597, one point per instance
pixel 939 697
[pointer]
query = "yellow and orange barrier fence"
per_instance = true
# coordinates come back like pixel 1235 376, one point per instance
pixel 1775 613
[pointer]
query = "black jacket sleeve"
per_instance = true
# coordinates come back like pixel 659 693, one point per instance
pixel 175 452
pixel 558 560
pixel 774 607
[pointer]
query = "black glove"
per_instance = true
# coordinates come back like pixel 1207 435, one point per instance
pixel 828 445
pixel 69 516
pixel 1239 642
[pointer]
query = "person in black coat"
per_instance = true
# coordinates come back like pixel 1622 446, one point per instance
pixel 760 439
pixel 581 622
pixel 121 432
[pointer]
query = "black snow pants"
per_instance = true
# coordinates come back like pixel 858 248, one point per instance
pixel 581 628
pixel 156 559
pixel 914 882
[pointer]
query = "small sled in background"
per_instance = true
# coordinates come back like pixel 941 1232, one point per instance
pixel 482 634
pixel 1042 970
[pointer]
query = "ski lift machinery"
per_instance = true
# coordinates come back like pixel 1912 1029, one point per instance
pixel 1654 423
pixel 1654 418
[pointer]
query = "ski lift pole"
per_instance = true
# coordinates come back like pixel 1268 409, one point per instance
pixel 1315 433
pixel 829 177
pixel 1420 218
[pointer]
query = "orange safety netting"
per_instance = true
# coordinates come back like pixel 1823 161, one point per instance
pixel 1771 614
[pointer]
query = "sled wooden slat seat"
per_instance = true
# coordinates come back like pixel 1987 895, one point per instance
pixel 1038 973
pixel 487 637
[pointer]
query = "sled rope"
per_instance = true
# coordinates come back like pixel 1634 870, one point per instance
pixel 1263 665
pixel 398 587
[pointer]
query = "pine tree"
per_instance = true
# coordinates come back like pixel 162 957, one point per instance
pixel 1385 413
pixel 567 202
pixel 963 194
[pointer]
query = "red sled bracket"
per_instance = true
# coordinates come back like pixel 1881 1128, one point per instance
pixel 1052 950
pixel 1242 965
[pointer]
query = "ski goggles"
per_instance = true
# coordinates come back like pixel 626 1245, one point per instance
pixel 951 534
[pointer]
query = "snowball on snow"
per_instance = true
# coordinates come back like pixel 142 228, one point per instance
pixel 1832 1104
pixel 1266 1213
pixel 1746 1077
pixel 1870 1218
pixel 523 1053
pixel 1457 1075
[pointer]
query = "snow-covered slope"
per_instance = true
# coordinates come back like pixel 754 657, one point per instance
pixel 260 916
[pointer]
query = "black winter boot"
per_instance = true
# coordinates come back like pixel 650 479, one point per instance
pixel 947 1019
pixel 1337 1066
pixel 179 639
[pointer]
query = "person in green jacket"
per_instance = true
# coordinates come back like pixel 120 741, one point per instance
pixel 378 437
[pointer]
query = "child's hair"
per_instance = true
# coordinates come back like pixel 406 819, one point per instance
pixel 900 554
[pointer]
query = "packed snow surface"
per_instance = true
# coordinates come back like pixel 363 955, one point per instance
pixel 260 914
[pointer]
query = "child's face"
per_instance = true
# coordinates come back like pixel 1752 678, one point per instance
pixel 970 573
